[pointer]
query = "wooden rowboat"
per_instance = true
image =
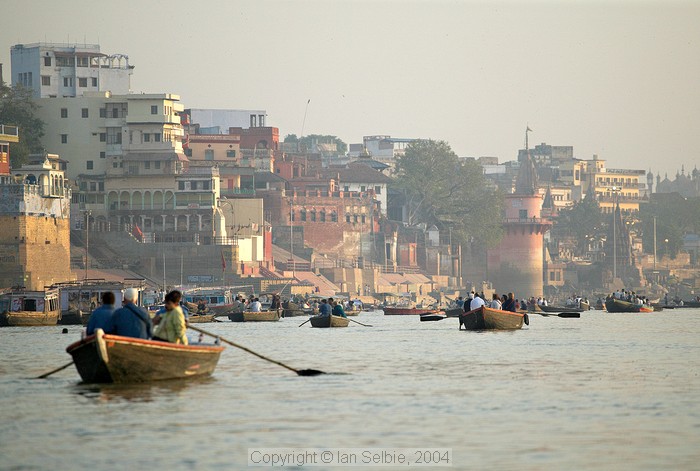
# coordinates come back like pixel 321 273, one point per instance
pixel 106 358
pixel 617 305
pixel 406 311
pixel 248 316
pixel 329 321
pixel 485 318
pixel 200 318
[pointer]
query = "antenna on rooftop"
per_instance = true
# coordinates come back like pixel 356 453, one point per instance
pixel 303 123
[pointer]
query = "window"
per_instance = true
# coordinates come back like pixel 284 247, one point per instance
pixel 346 188
pixel 157 164
pixel 156 137
pixel 147 165
pixel 154 109
pixel 261 120
pixel 47 62
pixel 146 137
pixel 302 215
pixel 209 154
pixel 84 112
pixel 64 138
pixel 67 81
pixel 103 112
pixel 82 82
pixel 313 215
pixel 378 190
pixel 93 186
pixel 89 165
pixel 551 276
pixel 347 218
pixel 334 217
pixel 94 81
pixel 522 214
pixel 363 188
pixel 181 186
pixel 45 80
pixel 364 219
pixel 83 186
pixel 232 153
pixel 323 216
pixel 253 121
pixel 102 155
pixel 103 137
pixel 82 62
pixel 64 112
pixel 205 185
pixel 355 219
pixel 115 164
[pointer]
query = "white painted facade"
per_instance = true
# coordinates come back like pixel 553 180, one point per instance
pixel 69 70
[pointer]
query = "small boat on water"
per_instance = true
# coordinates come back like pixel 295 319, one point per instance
pixel 217 301
pixel 617 305
pixel 407 311
pixel 79 298
pixel 438 316
pixel 561 309
pixel 106 358
pixel 329 321
pixel 292 309
pixel 249 316
pixel 200 318
pixel 485 318
pixel 21 308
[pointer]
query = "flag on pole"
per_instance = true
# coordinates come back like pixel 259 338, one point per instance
pixel 137 233
pixel 528 129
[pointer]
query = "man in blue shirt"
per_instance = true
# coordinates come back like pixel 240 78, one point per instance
pixel 100 316
pixel 324 309
pixel 130 320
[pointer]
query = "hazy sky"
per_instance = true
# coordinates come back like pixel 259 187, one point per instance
pixel 617 79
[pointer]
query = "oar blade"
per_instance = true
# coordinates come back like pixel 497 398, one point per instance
pixel 310 372
pixel 574 315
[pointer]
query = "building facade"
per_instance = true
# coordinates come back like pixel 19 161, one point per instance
pixel 69 70
pixel 35 225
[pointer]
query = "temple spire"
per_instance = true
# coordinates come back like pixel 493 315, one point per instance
pixel 526 181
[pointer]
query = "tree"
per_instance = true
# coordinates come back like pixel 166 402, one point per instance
pixel 306 141
pixel 582 220
pixel 444 191
pixel 675 216
pixel 17 108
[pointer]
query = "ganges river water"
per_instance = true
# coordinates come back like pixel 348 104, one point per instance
pixel 606 391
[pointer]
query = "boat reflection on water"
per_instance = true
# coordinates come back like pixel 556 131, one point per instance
pixel 138 392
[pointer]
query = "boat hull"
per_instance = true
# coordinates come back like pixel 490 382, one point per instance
pixel 406 311
pixel 104 358
pixel 200 318
pixel 247 316
pixel 28 318
pixel 616 305
pixel 485 318
pixel 329 321
pixel 561 309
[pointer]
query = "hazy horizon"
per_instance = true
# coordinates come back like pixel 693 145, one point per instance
pixel 618 80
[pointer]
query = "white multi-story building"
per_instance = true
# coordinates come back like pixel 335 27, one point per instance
pixel 385 149
pixel 69 70
pixel 101 131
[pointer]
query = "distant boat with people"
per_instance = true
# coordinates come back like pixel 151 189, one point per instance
pixel 618 305
pixel 486 318
pixel 329 321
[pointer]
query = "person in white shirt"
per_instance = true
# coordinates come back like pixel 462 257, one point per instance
pixel 476 303
pixel 495 303
pixel 255 306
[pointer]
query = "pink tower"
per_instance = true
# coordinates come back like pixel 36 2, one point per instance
pixel 517 263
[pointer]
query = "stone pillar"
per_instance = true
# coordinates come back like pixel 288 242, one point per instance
pixel 187 217
pixel 200 222
pixel 175 224
pixel 163 216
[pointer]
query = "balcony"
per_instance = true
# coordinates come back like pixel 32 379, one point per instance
pixel 9 133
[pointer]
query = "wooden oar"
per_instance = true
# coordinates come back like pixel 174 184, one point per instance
pixel 366 325
pixel 305 322
pixel 432 317
pixel 47 374
pixel 307 372
pixel 574 315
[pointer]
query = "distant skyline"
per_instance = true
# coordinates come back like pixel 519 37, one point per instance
pixel 618 79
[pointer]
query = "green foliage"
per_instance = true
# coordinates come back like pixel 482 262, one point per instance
pixel 17 108
pixel 582 220
pixel 451 194
pixel 306 141
pixel 675 217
